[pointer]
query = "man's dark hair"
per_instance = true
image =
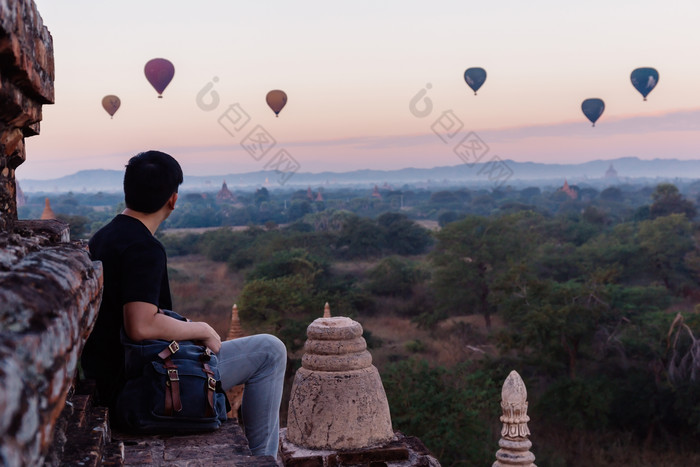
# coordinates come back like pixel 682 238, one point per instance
pixel 151 177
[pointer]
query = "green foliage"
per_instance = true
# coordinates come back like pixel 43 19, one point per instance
pixel 373 342
pixel 180 245
pixel 666 241
pixel 402 236
pixel 668 200
pixel 265 302
pixel 79 225
pixel 391 233
pixel 473 255
pixel 394 276
pixel 447 408
pixel 296 261
pixel 446 217
pixel 220 244
pixel 293 332
pixel 576 403
pixel 359 238
pixel 298 209
pixel 612 193
pixel 415 346
pixel 635 300
pixel 262 195
pixel 571 228
pixel 559 320
pixel 613 248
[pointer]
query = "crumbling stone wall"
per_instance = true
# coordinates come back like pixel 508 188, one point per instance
pixel 26 83
pixel 49 296
pixel 50 290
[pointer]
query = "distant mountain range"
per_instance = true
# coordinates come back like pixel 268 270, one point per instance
pixel 484 174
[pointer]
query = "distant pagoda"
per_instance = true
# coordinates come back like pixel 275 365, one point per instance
pixel 568 190
pixel 225 195
pixel 48 212
pixel 611 173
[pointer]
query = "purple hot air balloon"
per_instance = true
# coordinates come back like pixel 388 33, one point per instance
pixel 159 72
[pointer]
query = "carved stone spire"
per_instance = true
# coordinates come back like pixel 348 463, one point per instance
pixel 327 311
pixel 48 212
pixel 514 443
pixel 235 394
pixel 235 331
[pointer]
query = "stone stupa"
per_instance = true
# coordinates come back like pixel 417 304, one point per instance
pixel 338 410
pixel 341 403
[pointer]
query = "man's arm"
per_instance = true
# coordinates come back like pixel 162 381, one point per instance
pixel 142 321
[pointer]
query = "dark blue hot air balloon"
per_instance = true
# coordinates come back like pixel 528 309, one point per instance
pixel 644 80
pixel 593 109
pixel 475 77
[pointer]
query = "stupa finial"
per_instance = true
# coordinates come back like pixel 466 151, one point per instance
pixel 514 443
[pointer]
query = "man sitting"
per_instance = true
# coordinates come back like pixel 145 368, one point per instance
pixel 136 288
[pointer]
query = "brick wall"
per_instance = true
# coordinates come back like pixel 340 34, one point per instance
pixel 50 290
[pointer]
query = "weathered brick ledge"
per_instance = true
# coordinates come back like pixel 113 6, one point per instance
pixel 49 297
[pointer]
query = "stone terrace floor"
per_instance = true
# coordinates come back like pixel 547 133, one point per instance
pixel 83 437
pixel 226 446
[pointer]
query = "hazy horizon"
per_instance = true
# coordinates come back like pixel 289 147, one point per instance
pixel 458 164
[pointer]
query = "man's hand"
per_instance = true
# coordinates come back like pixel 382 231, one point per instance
pixel 213 340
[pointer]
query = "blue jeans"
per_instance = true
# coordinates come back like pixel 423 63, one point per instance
pixel 259 363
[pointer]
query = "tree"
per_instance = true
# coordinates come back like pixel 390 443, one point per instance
pixel 445 408
pixel 401 235
pixel 448 216
pixel 668 200
pixel 527 194
pixel 613 248
pixel 446 197
pixel 559 318
pixel 612 193
pixel 472 255
pixel 265 303
pixel 666 241
pixel 359 238
pixel 393 276
pixel 295 261
pixel 298 209
pixel 261 196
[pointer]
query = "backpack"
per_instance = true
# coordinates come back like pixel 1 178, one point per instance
pixel 171 387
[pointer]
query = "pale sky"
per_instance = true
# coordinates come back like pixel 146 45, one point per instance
pixel 351 70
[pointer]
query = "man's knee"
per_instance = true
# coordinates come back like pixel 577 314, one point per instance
pixel 275 347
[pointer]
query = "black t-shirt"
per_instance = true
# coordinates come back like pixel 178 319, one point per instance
pixel 135 270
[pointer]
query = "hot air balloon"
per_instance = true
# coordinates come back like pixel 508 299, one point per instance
pixel 111 104
pixel 276 100
pixel 475 77
pixel 159 72
pixel 644 80
pixel 593 109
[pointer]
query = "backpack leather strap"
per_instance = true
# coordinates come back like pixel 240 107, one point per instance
pixel 172 390
pixel 211 389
